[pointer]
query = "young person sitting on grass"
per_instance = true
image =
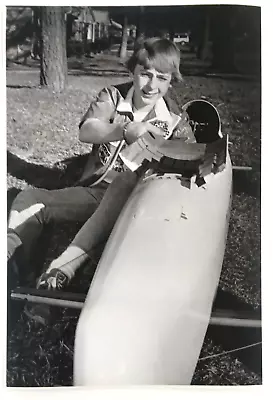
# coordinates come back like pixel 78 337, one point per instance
pixel 119 112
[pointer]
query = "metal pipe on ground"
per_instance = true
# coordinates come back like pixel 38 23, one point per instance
pixel 76 301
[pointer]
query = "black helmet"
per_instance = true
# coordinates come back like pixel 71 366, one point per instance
pixel 204 120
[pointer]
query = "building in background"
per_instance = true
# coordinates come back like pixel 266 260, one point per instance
pixel 91 24
pixel 87 28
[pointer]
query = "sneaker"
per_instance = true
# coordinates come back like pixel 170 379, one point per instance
pixel 53 280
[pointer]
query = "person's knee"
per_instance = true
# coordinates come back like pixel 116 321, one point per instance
pixel 27 204
pixel 28 198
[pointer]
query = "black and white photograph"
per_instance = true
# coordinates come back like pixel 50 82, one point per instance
pixel 133 148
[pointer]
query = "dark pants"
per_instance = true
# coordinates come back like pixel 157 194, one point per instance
pixel 75 204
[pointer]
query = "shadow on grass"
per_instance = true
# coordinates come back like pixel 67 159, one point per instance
pixel 248 182
pixel 192 67
pixel 96 69
pixel 21 86
pixel 63 174
pixel 234 337
pixel 224 76
pixel 26 63
pixel 196 70
pixel 100 73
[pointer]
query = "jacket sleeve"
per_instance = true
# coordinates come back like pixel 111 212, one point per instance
pixel 183 130
pixel 102 107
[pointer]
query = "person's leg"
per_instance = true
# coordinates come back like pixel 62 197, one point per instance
pixel 95 231
pixel 34 208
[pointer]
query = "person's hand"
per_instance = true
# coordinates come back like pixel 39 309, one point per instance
pixel 55 279
pixel 135 130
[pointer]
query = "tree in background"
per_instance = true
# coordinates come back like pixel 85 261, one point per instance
pixel 36 35
pixel 140 30
pixel 203 49
pixel 53 67
pixel 124 39
pixel 223 38
pixel 227 36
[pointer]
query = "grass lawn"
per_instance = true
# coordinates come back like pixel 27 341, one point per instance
pixel 42 140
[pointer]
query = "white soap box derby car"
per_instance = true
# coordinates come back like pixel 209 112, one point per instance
pixel 149 304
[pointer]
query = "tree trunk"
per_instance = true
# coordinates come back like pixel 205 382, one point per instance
pixel 222 40
pixel 53 67
pixel 36 37
pixel 203 51
pixel 123 47
pixel 140 31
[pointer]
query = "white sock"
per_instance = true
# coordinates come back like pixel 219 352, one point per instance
pixel 69 261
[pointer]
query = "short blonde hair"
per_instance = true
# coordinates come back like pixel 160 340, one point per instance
pixel 158 53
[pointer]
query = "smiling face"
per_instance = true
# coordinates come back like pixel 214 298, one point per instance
pixel 150 85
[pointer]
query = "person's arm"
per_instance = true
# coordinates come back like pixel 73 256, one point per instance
pixel 96 131
pixel 97 127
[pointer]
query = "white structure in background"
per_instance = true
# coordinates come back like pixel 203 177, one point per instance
pixel 181 38
pixel 95 23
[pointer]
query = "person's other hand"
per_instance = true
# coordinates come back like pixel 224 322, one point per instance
pixel 137 129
